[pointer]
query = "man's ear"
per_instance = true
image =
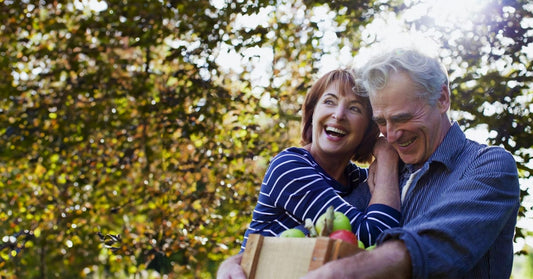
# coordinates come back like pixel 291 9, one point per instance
pixel 444 99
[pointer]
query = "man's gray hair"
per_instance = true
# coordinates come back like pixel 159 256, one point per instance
pixel 428 74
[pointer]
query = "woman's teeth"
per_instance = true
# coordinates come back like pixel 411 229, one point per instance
pixel 335 131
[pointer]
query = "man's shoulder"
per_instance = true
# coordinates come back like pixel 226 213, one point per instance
pixel 459 153
pixel 480 158
pixel 459 146
pixel 482 150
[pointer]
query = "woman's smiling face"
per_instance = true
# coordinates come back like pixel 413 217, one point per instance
pixel 339 123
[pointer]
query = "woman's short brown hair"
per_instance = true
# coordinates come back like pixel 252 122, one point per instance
pixel 347 79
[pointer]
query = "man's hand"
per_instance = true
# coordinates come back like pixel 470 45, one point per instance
pixel 231 268
pixel 389 260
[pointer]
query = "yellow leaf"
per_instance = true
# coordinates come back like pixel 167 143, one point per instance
pixel 62 179
pixel 197 205
pixel 40 170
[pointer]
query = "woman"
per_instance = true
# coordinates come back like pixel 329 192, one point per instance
pixel 302 183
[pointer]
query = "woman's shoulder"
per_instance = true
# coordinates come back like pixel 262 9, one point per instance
pixel 354 167
pixel 356 174
pixel 295 152
pixel 295 155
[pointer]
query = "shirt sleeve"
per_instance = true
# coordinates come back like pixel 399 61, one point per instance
pixel 450 236
pixel 297 187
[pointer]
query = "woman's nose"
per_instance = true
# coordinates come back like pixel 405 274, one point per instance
pixel 339 113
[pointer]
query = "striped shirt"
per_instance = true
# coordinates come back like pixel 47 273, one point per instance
pixel 459 211
pixel 295 188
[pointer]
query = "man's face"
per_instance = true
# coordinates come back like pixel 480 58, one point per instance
pixel 413 127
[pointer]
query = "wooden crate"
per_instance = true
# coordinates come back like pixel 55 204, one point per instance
pixel 289 258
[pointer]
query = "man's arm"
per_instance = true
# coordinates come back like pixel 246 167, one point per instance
pixel 389 260
pixel 231 268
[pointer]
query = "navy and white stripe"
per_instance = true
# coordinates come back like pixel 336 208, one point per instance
pixel 295 188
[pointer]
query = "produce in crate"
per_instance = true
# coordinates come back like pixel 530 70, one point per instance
pixel 332 221
pixel 332 224
pixel 292 233
pixel 344 235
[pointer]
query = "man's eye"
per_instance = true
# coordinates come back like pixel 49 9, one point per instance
pixel 380 122
pixel 355 109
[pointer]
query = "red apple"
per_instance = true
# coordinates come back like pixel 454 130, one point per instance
pixel 345 235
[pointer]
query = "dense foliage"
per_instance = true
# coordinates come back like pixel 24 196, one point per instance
pixel 126 148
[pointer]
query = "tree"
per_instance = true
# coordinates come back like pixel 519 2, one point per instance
pixel 127 148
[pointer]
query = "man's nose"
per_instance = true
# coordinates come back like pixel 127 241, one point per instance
pixel 392 133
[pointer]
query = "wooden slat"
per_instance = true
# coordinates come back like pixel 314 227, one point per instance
pixel 251 254
pixel 321 253
pixel 343 249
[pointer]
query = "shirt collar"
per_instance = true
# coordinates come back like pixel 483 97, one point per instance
pixel 447 150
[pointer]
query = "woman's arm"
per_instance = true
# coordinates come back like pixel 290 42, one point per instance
pixel 302 190
pixel 383 175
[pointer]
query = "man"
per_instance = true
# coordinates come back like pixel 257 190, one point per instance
pixel 459 198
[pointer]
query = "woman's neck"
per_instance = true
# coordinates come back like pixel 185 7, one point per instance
pixel 333 165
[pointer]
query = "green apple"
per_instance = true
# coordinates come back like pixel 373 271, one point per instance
pixel 292 233
pixel 362 245
pixel 340 222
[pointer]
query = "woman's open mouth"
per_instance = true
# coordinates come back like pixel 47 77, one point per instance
pixel 336 132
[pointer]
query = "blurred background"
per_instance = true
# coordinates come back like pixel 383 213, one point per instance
pixel 134 134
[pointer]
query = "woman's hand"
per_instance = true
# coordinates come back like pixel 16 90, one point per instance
pixel 383 179
pixel 231 268
pixel 383 151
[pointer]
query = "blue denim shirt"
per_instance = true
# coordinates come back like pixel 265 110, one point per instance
pixel 459 213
